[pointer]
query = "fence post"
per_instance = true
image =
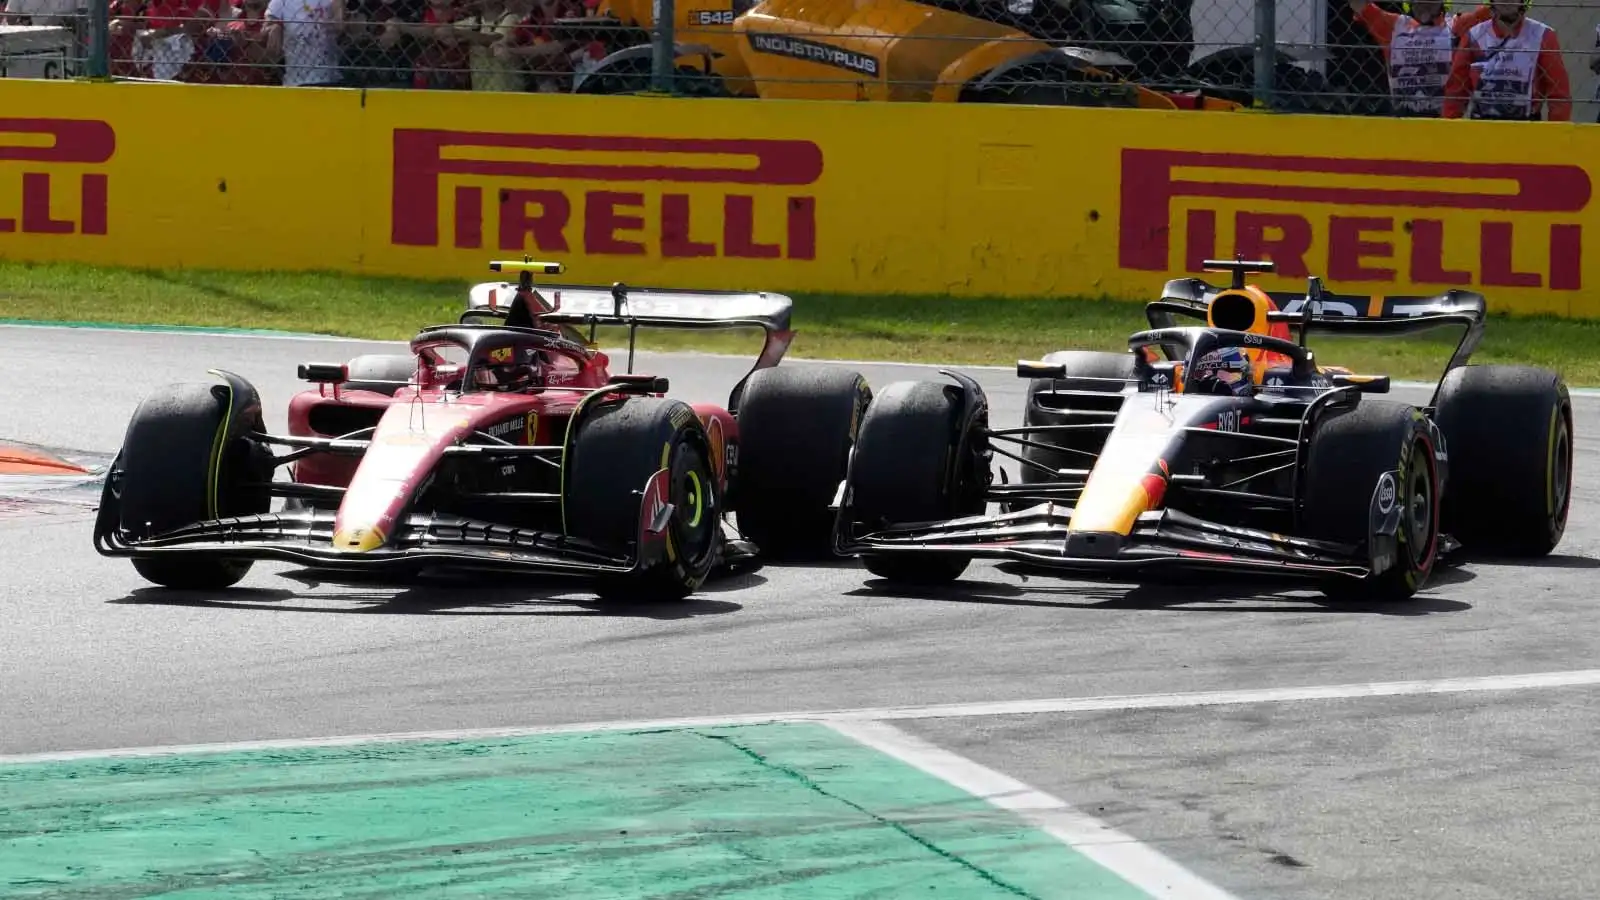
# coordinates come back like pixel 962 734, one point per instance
pixel 663 59
pixel 98 64
pixel 1266 51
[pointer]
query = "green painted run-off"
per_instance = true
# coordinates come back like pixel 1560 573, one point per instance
pixel 789 810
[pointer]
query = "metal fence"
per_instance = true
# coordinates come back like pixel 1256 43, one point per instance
pixel 1331 56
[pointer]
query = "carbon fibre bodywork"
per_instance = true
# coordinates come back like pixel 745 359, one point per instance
pixel 1177 476
pixel 442 464
pixel 1164 493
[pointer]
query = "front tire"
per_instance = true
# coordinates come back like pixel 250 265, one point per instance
pixel 1083 367
pixel 906 469
pixel 177 467
pixel 1508 434
pixel 1375 453
pixel 797 427
pixel 616 450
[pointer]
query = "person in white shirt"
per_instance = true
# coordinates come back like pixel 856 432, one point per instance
pixel 306 33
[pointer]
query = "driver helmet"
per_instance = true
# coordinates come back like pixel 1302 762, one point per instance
pixel 1223 371
pixel 1250 309
pixel 505 370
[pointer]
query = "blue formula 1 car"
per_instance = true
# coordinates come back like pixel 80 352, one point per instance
pixel 1225 445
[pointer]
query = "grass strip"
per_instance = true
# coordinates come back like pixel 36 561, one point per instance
pixel 900 328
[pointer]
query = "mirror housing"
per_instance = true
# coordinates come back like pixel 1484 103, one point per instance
pixel 1366 384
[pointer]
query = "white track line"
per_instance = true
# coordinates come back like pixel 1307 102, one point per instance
pixel 1578 678
pixel 1134 862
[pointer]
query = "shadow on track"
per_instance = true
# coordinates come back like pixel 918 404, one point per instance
pixel 1553 561
pixel 1197 594
pixel 505 596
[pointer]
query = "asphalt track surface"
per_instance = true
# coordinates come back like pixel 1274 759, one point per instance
pixel 1484 794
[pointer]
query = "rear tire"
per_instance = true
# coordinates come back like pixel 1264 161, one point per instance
pixel 905 471
pixel 165 480
pixel 617 448
pixel 797 427
pixel 1040 409
pixel 1508 433
pixel 1357 454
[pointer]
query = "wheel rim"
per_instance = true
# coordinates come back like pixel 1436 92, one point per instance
pixel 1419 504
pixel 692 493
pixel 1561 485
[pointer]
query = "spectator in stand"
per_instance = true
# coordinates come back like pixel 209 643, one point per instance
pixel 551 60
pixel 305 34
pixel 127 19
pixel 373 55
pixel 1417 49
pixel 1509 67
pixel 496 23
pixel 170 43
pixel 242 48
pixel 441 61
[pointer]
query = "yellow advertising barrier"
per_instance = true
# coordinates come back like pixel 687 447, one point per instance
pixel 792 196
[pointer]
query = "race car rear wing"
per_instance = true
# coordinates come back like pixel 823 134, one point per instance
pixel 1319 310
pixel 521 303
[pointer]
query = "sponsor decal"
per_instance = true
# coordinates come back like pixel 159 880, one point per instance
pixel 1383 220
pixel 47 156
pixel 523 425
pixel 719 447
pixel 501 355
pixel 814 51
pixel 680 416
pixel 643 206
pixel 1386 493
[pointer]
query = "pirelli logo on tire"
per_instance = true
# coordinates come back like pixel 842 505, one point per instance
pixel 812 51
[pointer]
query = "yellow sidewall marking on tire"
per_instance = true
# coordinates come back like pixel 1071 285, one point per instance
pixel 699 504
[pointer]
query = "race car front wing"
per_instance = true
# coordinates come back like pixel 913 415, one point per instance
pixel 420 540
pixel 1165 538
pixel 306 537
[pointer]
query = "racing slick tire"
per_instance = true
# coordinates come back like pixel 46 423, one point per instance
pixel 1040 409
pixel 1383 453
pixel 906 470
pixel 165 480
pixel 380 373
pixel 1508 435
pixel 616 449
pixel 797 426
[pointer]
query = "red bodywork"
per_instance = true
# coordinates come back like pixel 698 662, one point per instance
pixel 414 427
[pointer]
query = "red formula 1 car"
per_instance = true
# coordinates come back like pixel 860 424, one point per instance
pixel 501 445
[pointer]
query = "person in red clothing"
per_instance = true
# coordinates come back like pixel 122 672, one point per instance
pixel 172 34
pixel 243 44
pixel 1509 68
pixel 127 20
pixel 1417 49
pixel 442 61
pixel 550 60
